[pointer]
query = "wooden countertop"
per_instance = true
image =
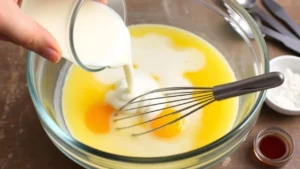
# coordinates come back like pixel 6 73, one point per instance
pixel 24 144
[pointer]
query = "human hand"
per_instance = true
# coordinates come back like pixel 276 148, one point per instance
pixel 18 28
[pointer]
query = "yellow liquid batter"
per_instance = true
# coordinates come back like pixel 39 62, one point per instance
pixel 83 91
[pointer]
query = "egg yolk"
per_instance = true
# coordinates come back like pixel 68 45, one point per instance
pixel 171 130
pixel 98 117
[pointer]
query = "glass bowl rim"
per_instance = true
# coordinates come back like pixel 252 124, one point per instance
pixel 55 129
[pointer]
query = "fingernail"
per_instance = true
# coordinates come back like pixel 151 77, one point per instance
pixel 51 55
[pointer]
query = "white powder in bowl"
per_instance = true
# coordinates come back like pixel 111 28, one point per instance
pixel 287 95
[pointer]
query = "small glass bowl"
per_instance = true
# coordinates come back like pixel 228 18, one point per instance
pixel 281 134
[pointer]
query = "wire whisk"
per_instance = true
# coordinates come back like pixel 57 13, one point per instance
pixel 188 100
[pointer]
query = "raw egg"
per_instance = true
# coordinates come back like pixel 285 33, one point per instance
pixel 98 117
pixel 171 130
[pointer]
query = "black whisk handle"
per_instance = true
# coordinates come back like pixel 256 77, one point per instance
pixel 249 85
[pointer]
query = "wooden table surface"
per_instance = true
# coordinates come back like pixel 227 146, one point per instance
pixel 24 144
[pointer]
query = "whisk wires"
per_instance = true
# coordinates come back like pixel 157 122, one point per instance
pixel 184 99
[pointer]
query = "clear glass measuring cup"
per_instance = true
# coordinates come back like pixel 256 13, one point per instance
pixel 59 20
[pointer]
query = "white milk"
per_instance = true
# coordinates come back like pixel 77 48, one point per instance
pixel 155 56
pixel 100 36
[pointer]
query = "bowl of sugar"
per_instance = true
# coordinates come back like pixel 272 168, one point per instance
pixel 285 99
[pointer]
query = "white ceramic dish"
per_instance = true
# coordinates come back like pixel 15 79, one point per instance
pixel 279 64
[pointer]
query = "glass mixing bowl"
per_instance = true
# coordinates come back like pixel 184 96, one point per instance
pixel 207 19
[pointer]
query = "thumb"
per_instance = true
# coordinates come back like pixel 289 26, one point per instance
pixel 18 27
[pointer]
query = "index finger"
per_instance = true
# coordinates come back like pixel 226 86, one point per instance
pixel 103 1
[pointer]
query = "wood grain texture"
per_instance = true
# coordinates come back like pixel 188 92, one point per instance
pixel 24 144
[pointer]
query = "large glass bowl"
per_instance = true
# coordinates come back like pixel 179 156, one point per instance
pixel 247 57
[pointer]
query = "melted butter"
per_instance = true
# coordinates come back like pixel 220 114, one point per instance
pixel 82 90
